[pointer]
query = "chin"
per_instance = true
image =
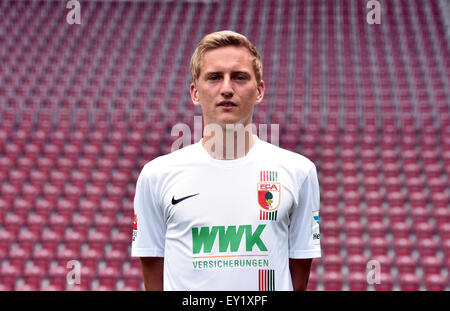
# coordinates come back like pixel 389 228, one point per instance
pixel 223 120
pixel 231 121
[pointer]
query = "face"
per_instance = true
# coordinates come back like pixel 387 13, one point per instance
pixel 226 88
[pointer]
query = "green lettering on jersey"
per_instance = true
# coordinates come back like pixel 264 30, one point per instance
pixel 205 239
pixel 231 238
pixel 252 239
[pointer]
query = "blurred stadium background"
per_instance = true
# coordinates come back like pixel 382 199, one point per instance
pixel 83 107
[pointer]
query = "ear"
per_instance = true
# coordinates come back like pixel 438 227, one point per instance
pixel 260 89
pixel 194 94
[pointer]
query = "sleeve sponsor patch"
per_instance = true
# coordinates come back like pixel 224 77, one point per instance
pixel 315 228
pixel 134 227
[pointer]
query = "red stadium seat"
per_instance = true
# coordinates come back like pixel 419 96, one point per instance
pixel 83 219
pixel 409 282
pixel 427 247
pixel 27 287
pixel 352 212
pixel 6 239
pixel 354 229
pixel 332 263
pixel 374 213
pixel 357 263
pixel 97 238
pixel 87 208
pixel 424 230
pixel 59 220
pixel 331 245
pixel 83 286
pixel 136 285
pixel 9 193
pixel 27 239
pixel 64 255
pixel 333 281
pixel 34 274
pixel 386 282
pixel 74 239
pixel 312 282
pixel 435 282
pixel 406 264
pixel 444 230
pixel 108 276
pixel 379 246
pixel 330 227
pixel 358 281
pixel 133 273
pixel 43 256
pixel 52 287
pixel 91 255
pixel 354 245
pixel 10 273
pixel 401 229
pixel 432 264
pixel 377 229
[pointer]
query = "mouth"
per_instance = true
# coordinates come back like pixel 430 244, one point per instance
pixel 226 103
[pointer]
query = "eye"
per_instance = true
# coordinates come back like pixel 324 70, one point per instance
pixel 241 77
pixel 213 77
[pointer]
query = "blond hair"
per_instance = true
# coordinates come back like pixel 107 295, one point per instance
pixel 221 39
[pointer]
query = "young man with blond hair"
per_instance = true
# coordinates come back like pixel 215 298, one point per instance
pixel 230 212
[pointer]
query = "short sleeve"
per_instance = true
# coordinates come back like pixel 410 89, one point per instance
pixel 304 234
pixel 149 228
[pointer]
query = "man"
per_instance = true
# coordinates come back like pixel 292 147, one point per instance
pixel 230 212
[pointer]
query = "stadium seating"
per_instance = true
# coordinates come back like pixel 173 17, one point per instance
pixel 84 107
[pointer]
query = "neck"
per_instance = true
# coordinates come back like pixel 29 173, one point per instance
pixel 228 142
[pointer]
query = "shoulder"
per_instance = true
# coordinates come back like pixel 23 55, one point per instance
pixel 169 162
pixel 285 158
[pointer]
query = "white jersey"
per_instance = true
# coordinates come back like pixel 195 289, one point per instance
pixel 227 224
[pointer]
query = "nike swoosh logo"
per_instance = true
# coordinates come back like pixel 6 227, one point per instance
pixel 176 201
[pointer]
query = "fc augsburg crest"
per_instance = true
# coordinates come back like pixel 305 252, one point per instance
pixel 269 193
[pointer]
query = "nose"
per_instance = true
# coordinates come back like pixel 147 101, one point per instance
pixel 227 89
